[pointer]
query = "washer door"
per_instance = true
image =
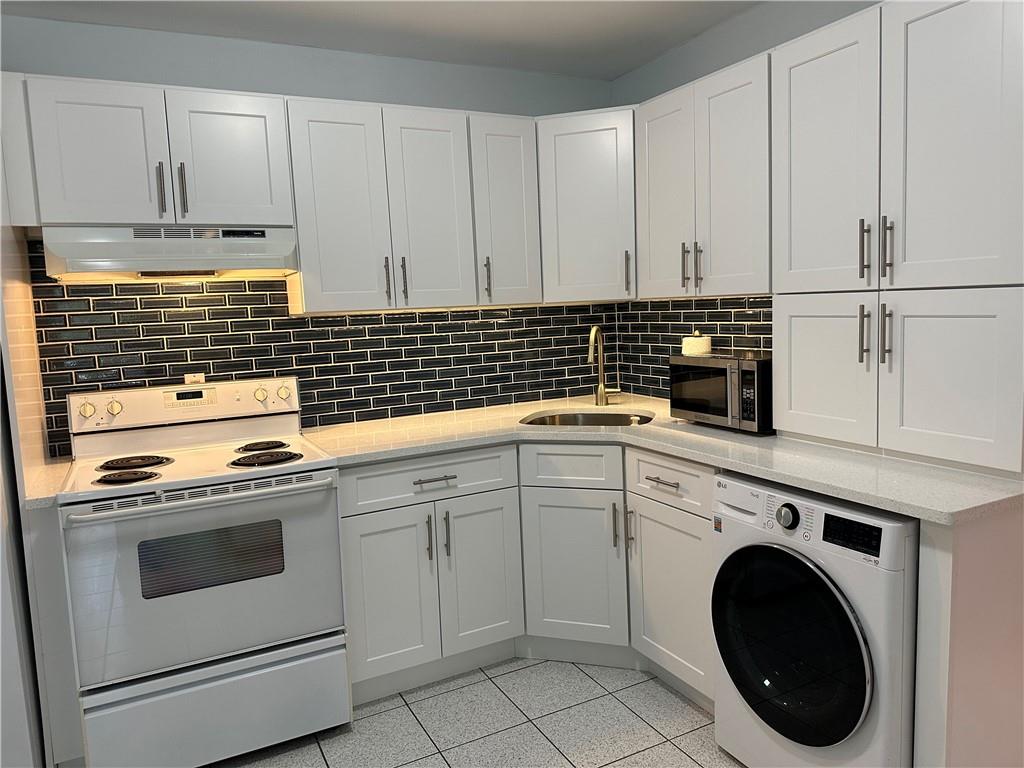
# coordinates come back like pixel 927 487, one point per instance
pixel 791 644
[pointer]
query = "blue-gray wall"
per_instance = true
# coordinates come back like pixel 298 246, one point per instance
pixel 42 46
pixel 764 26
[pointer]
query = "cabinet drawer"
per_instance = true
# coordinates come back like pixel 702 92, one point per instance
pixel 398 483
pixel 571 466
pixel 679 483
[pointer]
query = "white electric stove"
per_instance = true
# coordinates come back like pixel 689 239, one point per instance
pixel 203 562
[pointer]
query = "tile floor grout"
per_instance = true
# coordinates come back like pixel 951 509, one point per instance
pixel 424 729
pixel 530 720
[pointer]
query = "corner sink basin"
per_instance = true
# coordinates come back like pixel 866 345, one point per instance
pixel 587 419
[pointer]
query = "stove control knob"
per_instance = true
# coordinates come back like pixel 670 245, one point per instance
pixel 114 407
pixel 260 394
pixel 788 516
pixel 283 392
pixel 87 409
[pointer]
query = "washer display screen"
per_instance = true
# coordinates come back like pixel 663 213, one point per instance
pixel 791 644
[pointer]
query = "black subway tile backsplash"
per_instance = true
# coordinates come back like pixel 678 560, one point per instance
pixel 363 366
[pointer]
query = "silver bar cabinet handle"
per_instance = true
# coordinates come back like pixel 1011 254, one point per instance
pixel 627 271
pixel 184 188
pixel 684 252
pixel 885 316
pixel 487 269
pixel 862 317
pixel 430 537
pixel 447 533
pixel 864 261
pixel 615 525
pixel 387 278
pixel 161 193
pixel 698 278
pixel 405 281
pixel 659 481
pixel 629 536
pixel 438 479
pixel 885 260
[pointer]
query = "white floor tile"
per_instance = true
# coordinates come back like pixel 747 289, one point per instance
pixel 465 714
pixel 701 746
pixel 443 686
pixel 665 755
pixel 668 711
pixel 385 740
pixel 510 665
pixel 520 747
pixel 615 678
pixel 376 707
pixel 597 732
pixel 545 688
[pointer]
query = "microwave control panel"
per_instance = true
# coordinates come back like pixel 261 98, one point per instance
pixel 748 395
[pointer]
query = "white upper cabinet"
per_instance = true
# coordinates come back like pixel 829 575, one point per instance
pixel 825 158
pixel 431 207
pixel 953 372
pixel 824 374
pixel 731 170
pixel 665 227
pixel 21 207
pixel 341 205
pixel 100 152
pixel 230 154
pixel 504 152
pixel 586 205
pixel 951 143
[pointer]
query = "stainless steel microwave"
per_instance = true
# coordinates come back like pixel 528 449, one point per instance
pixel 727 390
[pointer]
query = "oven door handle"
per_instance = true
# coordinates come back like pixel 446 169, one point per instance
pixel 115 516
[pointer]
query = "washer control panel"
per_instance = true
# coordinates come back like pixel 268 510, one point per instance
pixel 789 518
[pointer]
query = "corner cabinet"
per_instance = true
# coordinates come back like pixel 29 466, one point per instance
pixel 341 205
pixel 21 207
pixel 429 195
pixel 586 205
pixel 504 160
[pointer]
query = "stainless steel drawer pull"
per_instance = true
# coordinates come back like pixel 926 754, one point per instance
pixel 615 525
pixel 627 271
pixel 864 262
pixel 430 537
pixel 659 481
pixel 440 479
pixel 161 193
pixel 884 329
pixel 684 252
pixel 698 278
pixel 405 281
pixel 487 285
pixel 447 533
pixel 884 251
pixel 387 278
pixel 862 319
pixel 629 536
pixel 184 188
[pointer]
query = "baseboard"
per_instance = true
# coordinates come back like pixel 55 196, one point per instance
pixel 555 649
pixel 687 690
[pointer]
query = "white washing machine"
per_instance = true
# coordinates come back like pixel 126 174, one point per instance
pixel 814 615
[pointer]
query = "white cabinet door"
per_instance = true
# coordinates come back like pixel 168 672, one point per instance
pixel 665 230
pixel 22 208
pixel 731 168
pixel 574 564
pixel 230 154
pixel 341 205
pixel 670 577
pixel 951 143
pixel 825 158
pixel 824 374
pixel 390 581
pixel 100 152
pixel 480 570
pixel 504 159
pixel 952 385
pixel 586 205
pixel 431 208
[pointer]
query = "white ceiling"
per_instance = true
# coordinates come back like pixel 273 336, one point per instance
pixel 584 38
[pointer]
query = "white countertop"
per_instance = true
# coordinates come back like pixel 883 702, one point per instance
pixel 928 492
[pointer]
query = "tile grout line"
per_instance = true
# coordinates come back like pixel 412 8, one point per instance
pixel 632 754
pixel 425 731
pixel 536 727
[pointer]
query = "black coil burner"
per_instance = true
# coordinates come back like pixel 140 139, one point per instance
pixel 133 462
pixel 126 477
pixel 262 445
pixel 265 459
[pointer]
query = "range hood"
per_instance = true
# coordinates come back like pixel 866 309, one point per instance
pixel 80 254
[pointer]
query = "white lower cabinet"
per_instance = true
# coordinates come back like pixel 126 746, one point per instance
pixel 670 578
pixel 574 564
pixel 392 611
pixel 431 580
pixel 481 570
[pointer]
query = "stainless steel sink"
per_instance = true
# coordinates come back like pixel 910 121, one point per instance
pixel 587 419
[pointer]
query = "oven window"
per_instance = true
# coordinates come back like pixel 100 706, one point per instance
pixel 203 559
pixel 701 389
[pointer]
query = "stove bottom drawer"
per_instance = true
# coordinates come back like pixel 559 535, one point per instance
pixel 198 717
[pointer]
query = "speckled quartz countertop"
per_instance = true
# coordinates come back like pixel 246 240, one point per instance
pixel 938 494
pixel 911 488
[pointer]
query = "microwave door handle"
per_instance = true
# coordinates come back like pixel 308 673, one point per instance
pixel 116 516
pixel 732 395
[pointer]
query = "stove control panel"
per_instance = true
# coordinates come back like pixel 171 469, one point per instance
pixel 150 406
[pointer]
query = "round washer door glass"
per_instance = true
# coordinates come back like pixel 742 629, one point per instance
pixel 791 644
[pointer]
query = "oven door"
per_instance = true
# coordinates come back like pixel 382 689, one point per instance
pixel 705 390
pixel 156 584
